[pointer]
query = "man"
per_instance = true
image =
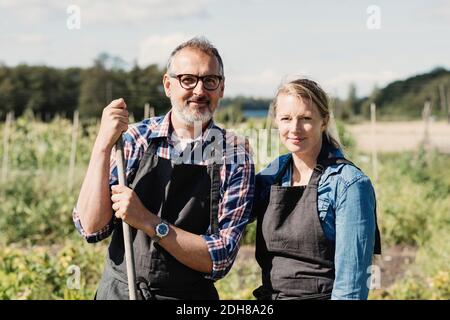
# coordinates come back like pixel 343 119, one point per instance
pixel 187 179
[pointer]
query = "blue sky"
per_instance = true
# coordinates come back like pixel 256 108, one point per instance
pixel 262 42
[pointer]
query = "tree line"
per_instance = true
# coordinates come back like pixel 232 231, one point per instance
pixel 49 91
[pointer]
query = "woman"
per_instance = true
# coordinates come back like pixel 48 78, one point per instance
pixel 316 229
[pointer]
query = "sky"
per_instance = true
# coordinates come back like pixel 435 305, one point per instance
pixel 262 42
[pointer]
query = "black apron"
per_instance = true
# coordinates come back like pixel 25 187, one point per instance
pixel 296 259
pixel 184 195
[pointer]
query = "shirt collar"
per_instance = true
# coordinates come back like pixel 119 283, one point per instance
pixel 332 153
pixel 164 129
pixel 161 130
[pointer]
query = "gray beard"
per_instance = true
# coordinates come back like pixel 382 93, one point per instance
pixel 189 118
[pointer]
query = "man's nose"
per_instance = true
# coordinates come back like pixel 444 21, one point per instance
pixel 199 88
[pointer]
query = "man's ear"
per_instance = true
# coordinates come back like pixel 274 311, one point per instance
pixel 222 88
pixel 166 84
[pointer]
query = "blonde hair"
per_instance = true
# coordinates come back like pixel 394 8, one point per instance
pixel 311 91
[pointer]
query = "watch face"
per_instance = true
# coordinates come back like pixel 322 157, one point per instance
pixel 162 229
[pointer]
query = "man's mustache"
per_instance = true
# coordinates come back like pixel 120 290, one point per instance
pixel 199 100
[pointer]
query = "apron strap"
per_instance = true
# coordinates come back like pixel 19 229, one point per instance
pixel 214 174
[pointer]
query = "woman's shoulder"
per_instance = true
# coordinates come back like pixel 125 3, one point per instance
pixel 345 175
pixel 345 171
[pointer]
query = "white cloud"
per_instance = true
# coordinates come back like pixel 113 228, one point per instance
pixel 259 84
pixel 31 11
pixel 32 39
pixel 262 78
pixel 157 48
pixel 140 10
pixel 364 81
pixel 441 12
pixel 104 11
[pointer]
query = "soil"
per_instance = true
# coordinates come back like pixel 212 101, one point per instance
pixel 394 262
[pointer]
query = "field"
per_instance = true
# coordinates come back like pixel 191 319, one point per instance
pixel 42 256
pixel 400 136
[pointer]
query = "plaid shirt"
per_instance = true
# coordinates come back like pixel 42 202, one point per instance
pixel 236 187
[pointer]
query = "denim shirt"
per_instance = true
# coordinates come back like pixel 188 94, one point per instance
pixel 346 207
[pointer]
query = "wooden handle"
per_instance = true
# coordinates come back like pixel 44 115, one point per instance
pixel 129 254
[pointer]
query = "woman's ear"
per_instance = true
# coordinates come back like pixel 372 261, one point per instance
pixel 325 122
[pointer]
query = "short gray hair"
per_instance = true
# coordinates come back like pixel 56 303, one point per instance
pixel 202 44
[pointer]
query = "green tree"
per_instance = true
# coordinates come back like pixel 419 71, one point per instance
pixel 350 106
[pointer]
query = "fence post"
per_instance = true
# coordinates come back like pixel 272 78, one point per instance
pixel 442 98
pixel 6 132
pixel 152 112
pixel 73 151
pixel 373 121
pixel 149 112
pixel 426 120
pixel 448 106
pixel 333 125
pixel 146 110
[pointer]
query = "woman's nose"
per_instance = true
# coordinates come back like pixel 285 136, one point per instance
pixel 296 125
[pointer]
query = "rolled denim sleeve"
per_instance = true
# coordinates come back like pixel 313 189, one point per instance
pixel 355 237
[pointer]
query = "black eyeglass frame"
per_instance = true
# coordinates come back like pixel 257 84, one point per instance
pixel 179 76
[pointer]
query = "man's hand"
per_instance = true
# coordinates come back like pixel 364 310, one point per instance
pixel 129 208
pixel 114 122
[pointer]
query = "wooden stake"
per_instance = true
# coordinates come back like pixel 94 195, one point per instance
pixel 6 132
pixel 442 98
pixel 149 112
pixel 152 112
pixel 146 111
pixel 73 151
pixel 373 121
pixel 426 120
pixel 333 125
pixel 448 106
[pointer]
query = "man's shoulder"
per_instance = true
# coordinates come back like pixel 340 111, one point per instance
pixel 147 125
pixel 237 146
pixel 142 130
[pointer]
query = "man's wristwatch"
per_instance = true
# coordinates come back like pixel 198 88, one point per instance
pixel 161 230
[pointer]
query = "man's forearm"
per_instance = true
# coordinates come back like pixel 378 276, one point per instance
pixel 94 203
pixel 188 248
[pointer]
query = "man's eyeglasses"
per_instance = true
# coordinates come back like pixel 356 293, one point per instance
pixel 190 81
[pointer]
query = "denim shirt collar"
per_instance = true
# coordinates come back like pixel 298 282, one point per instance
pixel 272 171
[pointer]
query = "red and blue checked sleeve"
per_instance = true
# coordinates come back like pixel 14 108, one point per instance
pixel 234 214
